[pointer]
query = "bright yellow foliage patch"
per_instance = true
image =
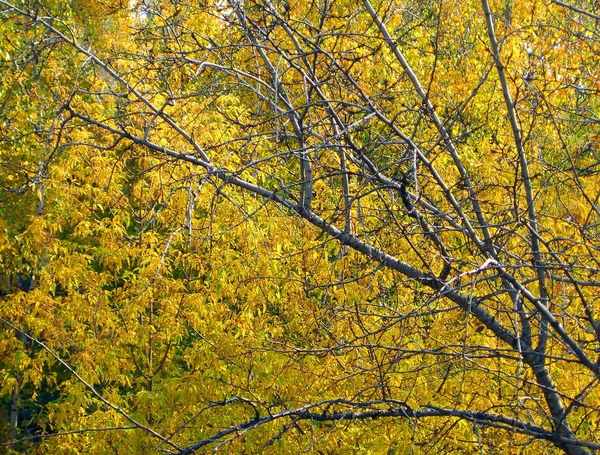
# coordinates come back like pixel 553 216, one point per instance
pixel 288 227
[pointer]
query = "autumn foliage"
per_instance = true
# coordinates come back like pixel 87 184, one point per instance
pixel 271 226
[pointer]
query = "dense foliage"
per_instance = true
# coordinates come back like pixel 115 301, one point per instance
pixel 272 226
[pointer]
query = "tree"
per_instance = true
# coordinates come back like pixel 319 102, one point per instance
pixel 274 226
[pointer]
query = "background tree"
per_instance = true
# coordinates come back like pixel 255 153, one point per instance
pixel 283 227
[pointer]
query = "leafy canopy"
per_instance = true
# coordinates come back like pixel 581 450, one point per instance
pixel 286 227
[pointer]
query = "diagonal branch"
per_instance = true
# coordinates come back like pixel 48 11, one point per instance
pixel 91 388
pixel 467 303
pixel 577 10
